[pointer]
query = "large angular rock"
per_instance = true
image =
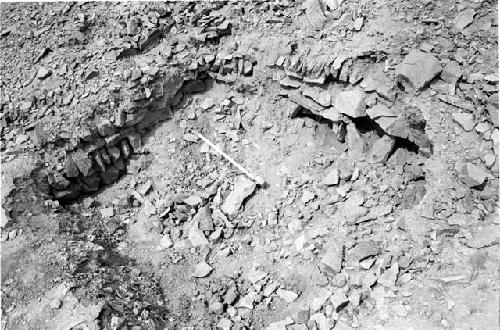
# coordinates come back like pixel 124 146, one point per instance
pixel 464 19
pixel 351 103
pixel 378 81
pixel 492 108
pixel 333 257
pixel 204 219
pixel 473 175
pixel 242 189
pixel 355 142
pixel 380 110
pixel 381 149
pixel 82 162
pixel 466 120
pixel 195 235
pixel 314 13
pixel 305 102
pixel 417 70
pixel 363 250
pixel 451 72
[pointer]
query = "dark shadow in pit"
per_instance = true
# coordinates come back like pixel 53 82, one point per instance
pixel 364 125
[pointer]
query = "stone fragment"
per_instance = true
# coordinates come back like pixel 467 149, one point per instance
pixel 135 140
pixel 70 193
pixel 466 120
pixel 352 210
pixel 105 157
pixel 196 236
pixel 318 95
pixel 166 242
pixel 126 151
pixel 82 162
pixel 363 250
pixel 255 275
pixel 417 70
pixel 193 201
pixel 459 219
pixel 358 23
pixel 464 19
pixel 322 322
pixel 319 300
pixel 107 212
pixel 473 175
pixel 216 307
pixel 389 277
pixel 305 102
pixel 136 74
pixel 331 114
pixel 400 309
pixel 224 324
pixel 355 142
pixel 248 300
pixel 207 103
pixel 202 269
pixel 332 178
pixel 280 325
pixel 287 295
pixel 307 196
pixel 90 183
pixel 314 13
pixel 339 301
pixel 492 108
pixel 380 110
pixel 204 219
pixel 451 72
pixel 58 181
pixel 270 288
pixel 110 175
pixel 290 82
pixel 333 257
pixel 351 103
pixel 132 26
pixel 484 237
pixel 241 190
pixel 381 149
pixel 43 73
pixel 368 280
pixel 377 80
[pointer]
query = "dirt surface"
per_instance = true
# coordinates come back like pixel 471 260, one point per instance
pixel 373 124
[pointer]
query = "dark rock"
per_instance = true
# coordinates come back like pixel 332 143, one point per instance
pixel 90 183
pixel 105 128
pixel 58 181
pixel 114 153
pixel 82 162
pixel 70 168
pixel 110 175
pixel 70 193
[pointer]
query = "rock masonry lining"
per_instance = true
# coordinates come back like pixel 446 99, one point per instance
pixel 359 85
